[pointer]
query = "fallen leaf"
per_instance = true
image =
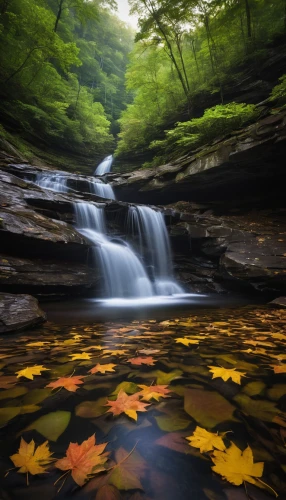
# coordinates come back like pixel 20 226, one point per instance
pixel 30 459
pixel 84 460
pixel 91 409
pixel 80 355
pixel 208 408
pixel 126 404
pixel 30 371
pixel 149 351
pixel 187 342
pixel 128 471
pixel 226 373
pixel 205 441
pixel 69 383
pixel 37 344
pixel 108 492
pixel 237 466
pixel 51 425
pixel 153 392
pixel 102 368
pixel 7 382
pixel 114 352
pixel 142 361
pixel 279 368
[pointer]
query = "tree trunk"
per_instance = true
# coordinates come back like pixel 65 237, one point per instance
pixel 248 19
pixel 178 42
pixel 60 10
pixel 22 65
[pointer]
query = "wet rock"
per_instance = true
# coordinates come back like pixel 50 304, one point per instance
pixel 18 312
pixel 244 167
pixel 280 302
pixel 46 278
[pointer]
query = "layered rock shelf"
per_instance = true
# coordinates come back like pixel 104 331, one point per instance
pixel 228 231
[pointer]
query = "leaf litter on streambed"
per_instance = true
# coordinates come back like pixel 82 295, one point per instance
pixel 191 407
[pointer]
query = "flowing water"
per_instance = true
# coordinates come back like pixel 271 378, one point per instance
pixel 154 243
pixel 101 189
pixel 55 182
pixel 123 273
pixel 105 166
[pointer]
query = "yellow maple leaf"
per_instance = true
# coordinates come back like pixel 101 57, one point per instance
pixel 226 373
pixel 153 392
pixel 279 368
pixel 205 441
pixel 102 368
pixel 30 371
pixel 80 355
pixel 237 466
pixel 37 344
pixel 115 352
pixel 32 460
pixel 186 341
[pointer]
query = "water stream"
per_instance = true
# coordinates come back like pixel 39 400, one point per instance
pixel 105 166
pixel 55 182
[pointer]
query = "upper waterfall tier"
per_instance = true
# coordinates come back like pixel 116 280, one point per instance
pixel 105 166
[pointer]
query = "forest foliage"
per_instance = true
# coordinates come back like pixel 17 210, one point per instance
pixel 187 50
pixel 62 71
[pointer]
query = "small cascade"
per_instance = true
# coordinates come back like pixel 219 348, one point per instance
pixel 123 274
pixel 149 225
pixel 105 166
pixel 101 189
pixel 89 216
pixel 55 182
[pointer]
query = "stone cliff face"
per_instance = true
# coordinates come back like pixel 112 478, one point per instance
pixel 244 168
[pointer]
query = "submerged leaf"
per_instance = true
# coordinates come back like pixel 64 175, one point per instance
pixel 51 425
pixel 128 471
pixel 208 408
pixel 148 360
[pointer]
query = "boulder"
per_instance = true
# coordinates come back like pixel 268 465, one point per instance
pixel 18 312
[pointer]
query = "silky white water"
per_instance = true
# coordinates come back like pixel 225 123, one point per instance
pixel 149 225
pixel 101 189
pixel 123 273
pixel 55 182
pixel 105 166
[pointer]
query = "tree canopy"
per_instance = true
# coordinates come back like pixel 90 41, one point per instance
pixel 63 64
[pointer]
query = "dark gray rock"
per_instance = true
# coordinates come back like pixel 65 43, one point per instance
pixel 18 312
pixel 279 302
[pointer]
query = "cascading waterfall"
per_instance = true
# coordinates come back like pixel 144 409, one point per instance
pixel 155 248
pixel 54 182
pixel 101 189
pixel 105 166
pixel 90 217
pixel 123 274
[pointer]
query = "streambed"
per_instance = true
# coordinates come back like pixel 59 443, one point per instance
pixel 175 352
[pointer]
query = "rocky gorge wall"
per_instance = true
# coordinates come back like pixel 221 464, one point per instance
pixel 225 214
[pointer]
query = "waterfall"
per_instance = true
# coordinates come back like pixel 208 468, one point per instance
pixel 101 189
pixel 155 248
pixel 89 216
pixel 123 273
pixel 105 166
pixel 55 182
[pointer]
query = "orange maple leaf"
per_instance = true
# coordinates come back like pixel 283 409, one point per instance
pixel 84 460
pixel 69 383
pixel 126 404
pixel 153 392
pixel 142 361
pixel 279 368
pixel 102 368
